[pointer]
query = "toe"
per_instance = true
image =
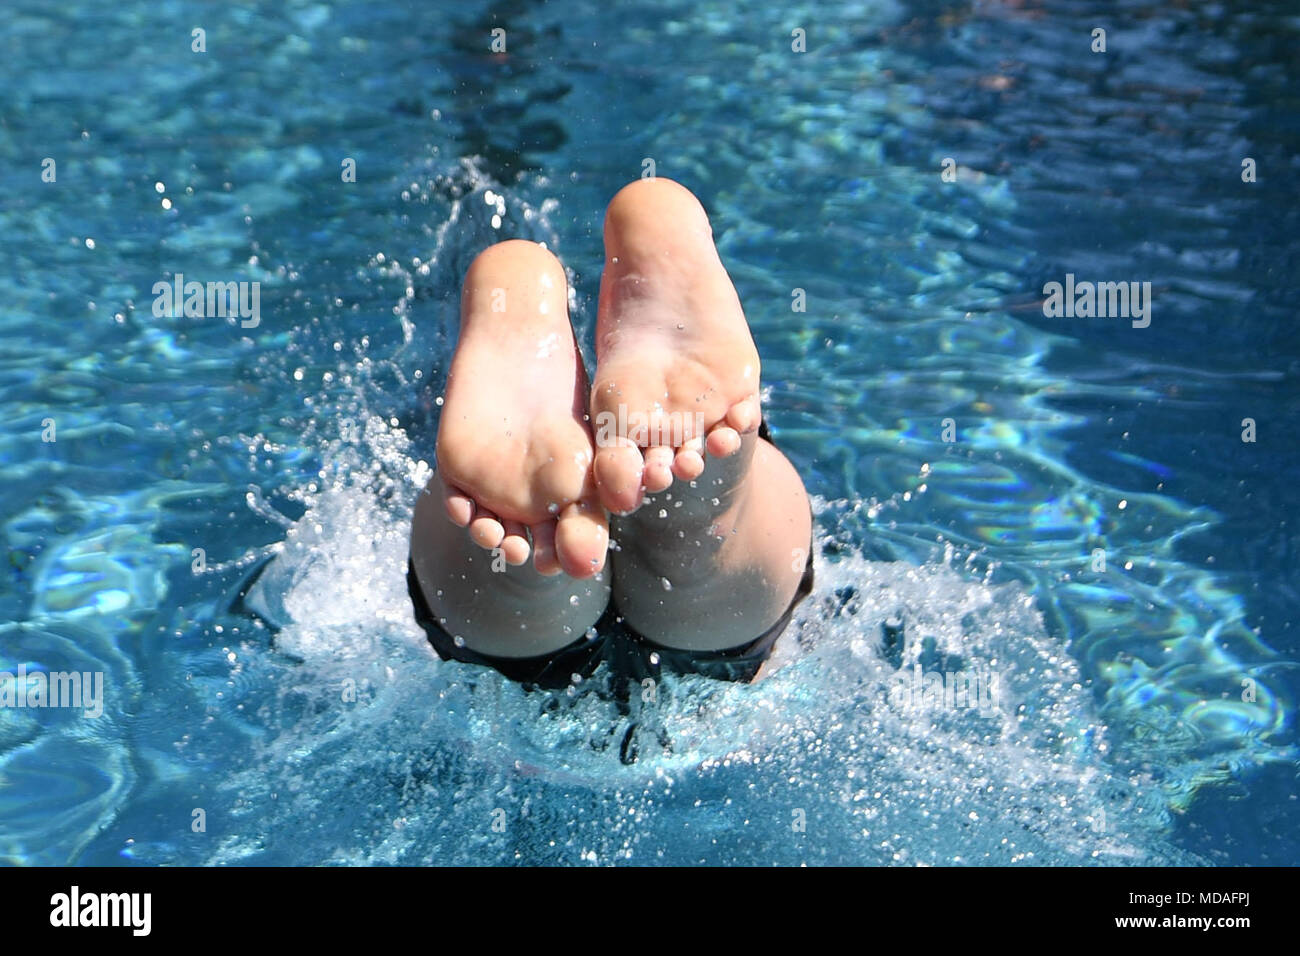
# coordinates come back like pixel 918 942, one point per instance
pixel 544 558
pixel 485 530
pixel 658 469
pixel 514 546
pixel 689 462
pixel 582 538
pixel 460 506
pixel 618 471
pixel 745 415
pixel 723 441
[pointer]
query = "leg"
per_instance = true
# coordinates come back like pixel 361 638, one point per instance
pixel 514 478
pixel 710 553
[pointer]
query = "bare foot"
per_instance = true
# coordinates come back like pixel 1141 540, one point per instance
pixel 677 372
pixel 717 556
pixel 514 449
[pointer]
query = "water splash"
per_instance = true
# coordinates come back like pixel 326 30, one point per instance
pixel 442 746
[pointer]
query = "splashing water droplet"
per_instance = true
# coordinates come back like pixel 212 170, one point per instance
pixel 668 585
pixel 663 513
pixel 573 599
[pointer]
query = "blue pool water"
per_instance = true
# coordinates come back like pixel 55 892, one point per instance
pixel 1147 711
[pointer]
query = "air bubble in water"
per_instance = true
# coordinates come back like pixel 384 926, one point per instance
pixel 668 585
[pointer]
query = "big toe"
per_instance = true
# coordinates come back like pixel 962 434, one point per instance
pixel 582 538
pixel 619 473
